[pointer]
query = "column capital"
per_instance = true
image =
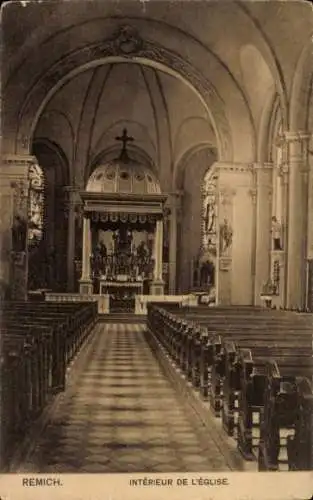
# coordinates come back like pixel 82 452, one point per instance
pixel 227 194
pixel 71 195
pixel 283 170
pixel 10 159
pixel 174 199
pixel 15 167
pixel 71 189
pixel 233 166
pixel 288 137
pixel 266 165
pixel 253 193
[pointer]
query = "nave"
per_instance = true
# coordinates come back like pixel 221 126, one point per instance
pixel 120 412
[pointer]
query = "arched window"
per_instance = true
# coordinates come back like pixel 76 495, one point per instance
pixel 36 205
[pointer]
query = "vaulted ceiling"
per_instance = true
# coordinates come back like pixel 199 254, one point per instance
pixel 159 111
pixel 208 76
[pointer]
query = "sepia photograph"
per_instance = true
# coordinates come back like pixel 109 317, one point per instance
pixel 156 247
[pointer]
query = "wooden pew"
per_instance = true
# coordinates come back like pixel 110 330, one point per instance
pixel 78 320
pixel 288 404
pixel 220 352
pixel 300 445
pixel 17 391
pixel 212 350
pixel 224 347
pixel 254 378
pixel 38 340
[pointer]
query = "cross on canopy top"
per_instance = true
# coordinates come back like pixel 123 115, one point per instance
pixel 124 138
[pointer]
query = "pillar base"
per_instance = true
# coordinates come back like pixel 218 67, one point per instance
pixel 157 287
pixel 85 286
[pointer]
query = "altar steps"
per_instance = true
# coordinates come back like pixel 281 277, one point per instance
pixel 122 317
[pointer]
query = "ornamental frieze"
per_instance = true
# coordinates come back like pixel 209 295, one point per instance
pixel 124 217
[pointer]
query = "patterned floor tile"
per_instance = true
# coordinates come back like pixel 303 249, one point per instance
pixel 120 413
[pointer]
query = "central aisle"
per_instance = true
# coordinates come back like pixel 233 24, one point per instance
pixel 120 414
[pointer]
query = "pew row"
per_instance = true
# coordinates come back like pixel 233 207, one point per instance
pixel 225 356
pixel 39 341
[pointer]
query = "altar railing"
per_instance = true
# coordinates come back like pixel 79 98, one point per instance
pixel 103 300
pixel 141 301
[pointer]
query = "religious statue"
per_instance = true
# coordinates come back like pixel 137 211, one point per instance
pixel 226 237
pixel 209 217
pixel 122 240
pixel 276 233
pixel 142 250
pixel 102 250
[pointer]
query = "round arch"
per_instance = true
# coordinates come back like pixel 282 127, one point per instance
pixel 300 91
pixel 179 170
pixel 31 112
pixel 42 145
pixel 177 40
pixel 272 112
pixel 167 59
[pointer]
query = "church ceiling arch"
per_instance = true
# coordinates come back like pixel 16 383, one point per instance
pixel 199 149
pixel 271 119
pixel 113 96
pixel 260 90
pixel 266 47
pixel 49 127
pixel 192 33
pixel 197 129
pixel 147 54
pixel 50 155
pixel 300 109
pixel 154 54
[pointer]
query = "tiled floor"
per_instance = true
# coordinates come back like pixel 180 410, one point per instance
pixel 121 414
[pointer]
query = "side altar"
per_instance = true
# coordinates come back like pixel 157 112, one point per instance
pixel 122 232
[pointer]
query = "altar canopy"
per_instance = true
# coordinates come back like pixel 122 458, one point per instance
pixel 122 231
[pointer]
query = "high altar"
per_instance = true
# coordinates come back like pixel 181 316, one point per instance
pixel 122 232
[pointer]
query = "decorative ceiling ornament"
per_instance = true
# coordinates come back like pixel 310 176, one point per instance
pixel 128 40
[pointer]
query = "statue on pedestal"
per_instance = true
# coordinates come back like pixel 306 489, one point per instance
pixel 276 234
pixel 226 237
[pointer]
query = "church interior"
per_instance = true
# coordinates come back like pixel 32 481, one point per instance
pixel 156 248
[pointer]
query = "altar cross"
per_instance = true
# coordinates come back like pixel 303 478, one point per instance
pixel 124 138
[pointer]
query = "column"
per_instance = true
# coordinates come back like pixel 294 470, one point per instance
pixel 175 203
pixel 71 193
pixel 262 206
pixel 157 285
pixel 85 281
pixel 297 156
pixel 14 201
pixel 172 250
pixel 159 249
pixel 284 174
